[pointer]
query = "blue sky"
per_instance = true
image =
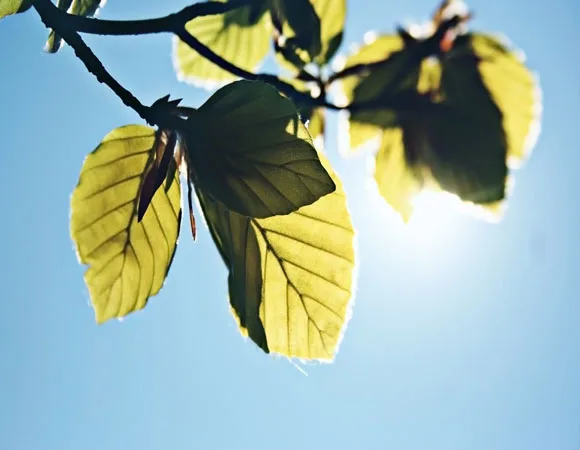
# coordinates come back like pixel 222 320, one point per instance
pixel 465 335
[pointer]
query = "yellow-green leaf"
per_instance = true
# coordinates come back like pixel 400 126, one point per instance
pixel 290 277
pixel 248 149
pixel 374 51
pixel 9 7
pixel 332 15
pixel 397 182
pixel 300 24
pixel 316 123
pixel 370 85
pixel 514 89
pixel 128 260
pixel 241 36
pixel 467 143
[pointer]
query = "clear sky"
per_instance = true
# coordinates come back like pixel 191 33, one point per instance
pixel 465 335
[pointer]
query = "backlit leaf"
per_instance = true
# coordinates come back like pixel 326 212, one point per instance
pixel 467 143
pixel 248 149
pixel 396 180
pixel 332 15
pixel 290 277
pixel 241 36
pixel 300 24
pixel 9 7
pixel 514 89
pixel 372 83
pixel 128 260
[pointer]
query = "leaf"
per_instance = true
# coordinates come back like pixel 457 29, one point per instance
pixel 380 69
pixel 9 7
pixel 241 36
pixel 300 24
pixel 467 143
pixel 248 149
pixel 290 277
pixel 163 148
pixel 332 15
pixel 316 123
pixel 84 8
pixel 128 261
pixel 514 90
pixel 397 182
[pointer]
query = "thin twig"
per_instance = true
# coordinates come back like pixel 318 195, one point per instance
pixel 69 26
pixel 54 18
pixel 165 24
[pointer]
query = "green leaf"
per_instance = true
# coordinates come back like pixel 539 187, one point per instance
pixel 248 149
pixel 332 15
pixel 242 37
pixel 128 261
pixel 396 180
pixel 300 24
pixel 514 89
pixel 384 69
pixel 290 277
pixel 467 149
pixel 316 123
pixel 54 41
pixel 9 7
pixel 85 8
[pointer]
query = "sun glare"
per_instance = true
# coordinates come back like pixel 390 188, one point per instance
pixel 433 213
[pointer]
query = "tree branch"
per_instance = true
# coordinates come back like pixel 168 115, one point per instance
pixel 166 24
pixel 54 18
pixel 69 26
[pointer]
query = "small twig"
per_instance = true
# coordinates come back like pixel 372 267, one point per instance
pixel 165 24
pixel 54 18
pixel 68 26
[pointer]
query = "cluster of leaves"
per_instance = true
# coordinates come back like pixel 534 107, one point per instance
pixel 445 110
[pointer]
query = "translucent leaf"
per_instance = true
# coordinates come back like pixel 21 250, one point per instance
pixel 468 148
pixel 396 180
pixel 332 15
pixel 376 50
pixel 300 24
pixel 514 89
pixel 248 149
pixel 241 36
pixel 128 261
pixel 380 80
pixel 290 277
pixel 85 8
pixel 9 7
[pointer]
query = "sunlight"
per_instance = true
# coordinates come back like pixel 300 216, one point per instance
pixel 434 214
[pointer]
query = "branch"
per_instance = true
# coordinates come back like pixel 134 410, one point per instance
pixel 175 23
pixel 54 18
pixel 165 24
pixel 68 26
